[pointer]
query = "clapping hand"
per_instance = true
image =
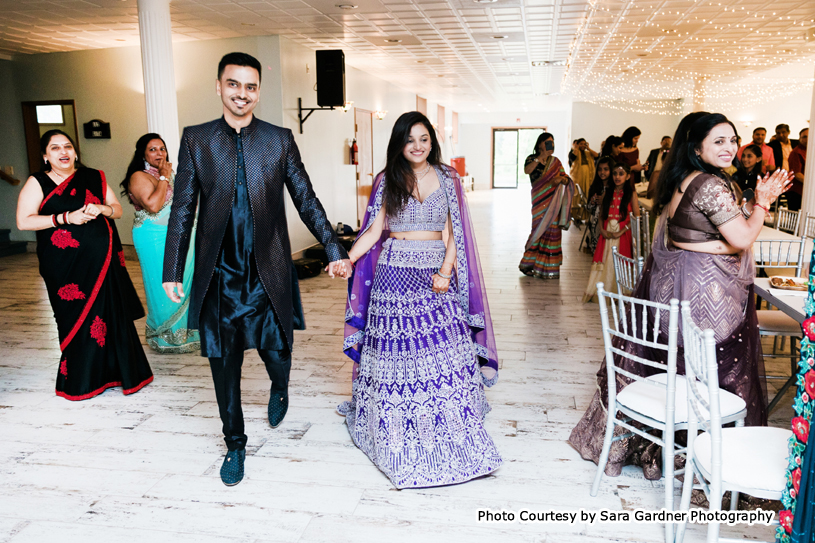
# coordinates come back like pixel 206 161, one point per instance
pixel 771 186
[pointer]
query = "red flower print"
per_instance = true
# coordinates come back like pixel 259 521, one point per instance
pixel 63 368
pixel 90 198
pixel 99 330
pixel 122 258
pixel 785 520
pixel 796 480
pixel 73 192
pixel 809 328
pixel 809 383
pixel 800 427
pixel 62 238
pixel 71 292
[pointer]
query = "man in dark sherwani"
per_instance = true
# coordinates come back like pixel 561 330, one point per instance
pixel 244 292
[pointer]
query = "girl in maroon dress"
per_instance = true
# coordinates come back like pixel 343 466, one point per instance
pixel 71 208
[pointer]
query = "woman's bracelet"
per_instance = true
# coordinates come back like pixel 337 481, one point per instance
pixel 54 221
pixel 65 218
pixel 766 210
pixel 444 275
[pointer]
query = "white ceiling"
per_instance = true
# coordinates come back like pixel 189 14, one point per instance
pixel 622 50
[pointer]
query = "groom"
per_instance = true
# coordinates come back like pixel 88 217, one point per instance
pixel 244 292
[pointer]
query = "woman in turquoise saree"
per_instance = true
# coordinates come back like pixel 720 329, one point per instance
pixel 148 185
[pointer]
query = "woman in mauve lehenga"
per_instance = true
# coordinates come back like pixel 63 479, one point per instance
pixel 552 195
pixel 701 253
pixel 417 323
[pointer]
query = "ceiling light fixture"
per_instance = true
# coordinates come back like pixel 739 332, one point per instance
pixel 500 37
pixel 485 1
pixel 393 41
pixel 347 6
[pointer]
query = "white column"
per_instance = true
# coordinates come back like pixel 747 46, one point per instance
pixel 808 200
pixel 159 75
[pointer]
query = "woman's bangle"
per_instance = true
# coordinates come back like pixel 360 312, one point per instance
pixel 444 275
pixel 766 210
pixel 65 218
pixel 54 221
pixel 110 207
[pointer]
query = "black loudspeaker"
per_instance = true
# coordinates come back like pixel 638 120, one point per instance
pixel 331 78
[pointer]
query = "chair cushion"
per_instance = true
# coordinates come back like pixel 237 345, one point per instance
pixel 778 323
pixel 650 400
pixel 753 457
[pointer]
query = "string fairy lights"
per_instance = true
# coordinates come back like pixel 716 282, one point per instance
pixel 642 56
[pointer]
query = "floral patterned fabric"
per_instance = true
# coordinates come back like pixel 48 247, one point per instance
pixel 797 523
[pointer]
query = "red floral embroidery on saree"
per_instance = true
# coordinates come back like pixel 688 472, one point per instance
pixel 99 330
pixel 71 292
pixel 122 258
pixel 90 198
pixel 73 192
pixel 800 427
pixel 63 239
pixel 63 368
pixel 785 520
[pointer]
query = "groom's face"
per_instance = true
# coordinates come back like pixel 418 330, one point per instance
pixel 239 89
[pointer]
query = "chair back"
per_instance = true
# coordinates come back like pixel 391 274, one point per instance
pixel 627 271
pixel 787 221
pixel 780 254
pixel 646 233
pixel 702 380
pixel 637 321
pixel 808 227
pixel 636 245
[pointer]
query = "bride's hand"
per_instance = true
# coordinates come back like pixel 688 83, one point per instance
pixel 771 186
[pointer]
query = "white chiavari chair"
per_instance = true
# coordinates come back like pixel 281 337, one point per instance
pixel 752 460
pixel 636 245
pixel 808 227
pixel 787 221
pixel 652 403
pixel 626 271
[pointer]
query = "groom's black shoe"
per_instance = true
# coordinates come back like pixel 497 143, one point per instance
pixel 232 468
pixel 278 405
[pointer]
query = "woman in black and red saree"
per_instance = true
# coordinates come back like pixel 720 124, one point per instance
pixel 72 208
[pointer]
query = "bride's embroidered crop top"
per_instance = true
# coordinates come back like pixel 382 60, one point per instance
pixel 429 215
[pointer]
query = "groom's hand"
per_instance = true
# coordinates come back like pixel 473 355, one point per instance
pixel 340 268
pixel 170 290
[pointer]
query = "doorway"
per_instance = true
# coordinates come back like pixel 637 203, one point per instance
pixel 40 117
pixel 510 147
pixel 363 132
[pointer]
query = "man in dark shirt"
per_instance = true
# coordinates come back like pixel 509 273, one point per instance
pixel 244 293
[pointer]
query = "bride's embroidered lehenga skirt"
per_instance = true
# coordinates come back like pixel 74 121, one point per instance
pixel 418 402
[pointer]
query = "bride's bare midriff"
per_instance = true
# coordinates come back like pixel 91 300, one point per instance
pixel 421 235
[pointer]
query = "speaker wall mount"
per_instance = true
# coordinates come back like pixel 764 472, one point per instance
pixel 301 109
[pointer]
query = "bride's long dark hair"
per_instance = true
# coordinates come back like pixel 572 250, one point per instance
pixel 399 178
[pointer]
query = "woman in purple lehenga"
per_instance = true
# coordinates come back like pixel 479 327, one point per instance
pixel 701 253
pixel 417 323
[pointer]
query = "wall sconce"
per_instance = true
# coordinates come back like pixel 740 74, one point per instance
pixel 379 114
pixel 746 124
pixel 347 106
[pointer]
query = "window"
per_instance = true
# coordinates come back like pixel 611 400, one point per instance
pixel 51 114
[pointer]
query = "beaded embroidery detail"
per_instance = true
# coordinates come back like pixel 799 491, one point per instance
pixel 427 216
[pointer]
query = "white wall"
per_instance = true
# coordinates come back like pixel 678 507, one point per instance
pixel 326 135
pixel 793 110
pixel 596 123
pixel 475 137
pixel 11 152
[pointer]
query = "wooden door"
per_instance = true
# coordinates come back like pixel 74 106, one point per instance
pixel 363 121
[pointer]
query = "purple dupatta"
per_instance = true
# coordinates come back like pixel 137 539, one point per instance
pixel 472 293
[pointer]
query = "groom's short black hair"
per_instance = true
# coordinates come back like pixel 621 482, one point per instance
pixel 239 59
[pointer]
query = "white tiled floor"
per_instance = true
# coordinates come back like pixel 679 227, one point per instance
pixel 145 467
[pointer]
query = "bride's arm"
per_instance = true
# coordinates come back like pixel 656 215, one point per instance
pixel 367 240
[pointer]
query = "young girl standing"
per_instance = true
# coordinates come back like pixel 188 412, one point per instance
pixel 595 197
pixel 619 200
